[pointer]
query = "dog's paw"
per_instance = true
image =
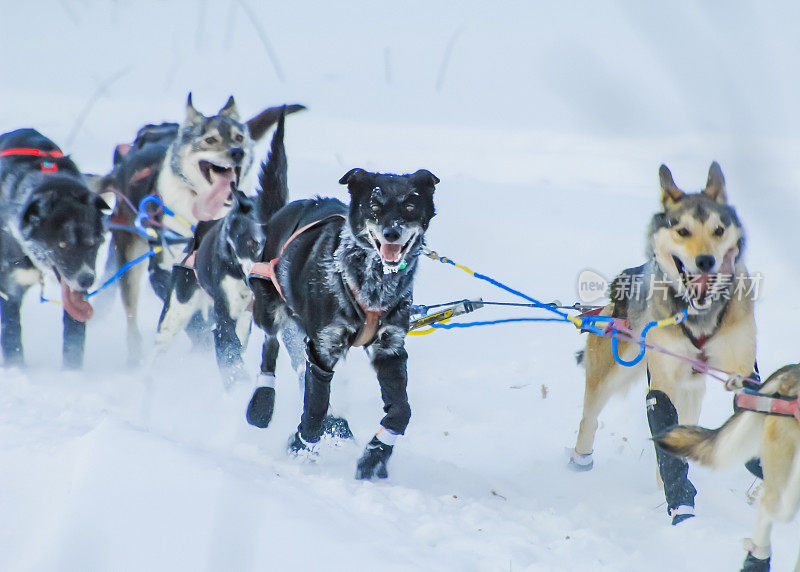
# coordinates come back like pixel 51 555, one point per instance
pixel 373 462
pixel 261 407
pixel 337 428
pixel 579 463
pixel 681 514
pixel 301 449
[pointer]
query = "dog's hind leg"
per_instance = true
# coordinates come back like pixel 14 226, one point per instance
pixel 179 308
pixel 604 378
pixel 74 341
pixel 130 284
pixel 262 404
pixel 11 331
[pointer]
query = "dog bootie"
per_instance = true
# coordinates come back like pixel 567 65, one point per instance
pixel 579 462
pixel 373 462
pixel 757 557
pixel 300 448
pixel 678 490
pixel 336 427
pixel 753 564
pixel 262 404
pixel 681 513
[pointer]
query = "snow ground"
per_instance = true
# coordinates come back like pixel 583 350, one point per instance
pixel 546 125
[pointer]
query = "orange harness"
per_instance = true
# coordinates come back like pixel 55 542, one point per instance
pixel 268 271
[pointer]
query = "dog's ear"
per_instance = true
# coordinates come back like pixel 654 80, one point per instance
pixel 670 193
pixel 715 186
pixel 230 110
pixel 32 216
pixel 355 179
pixel 100 202
pixel 244 203
pixel 424 179
pixel 192 115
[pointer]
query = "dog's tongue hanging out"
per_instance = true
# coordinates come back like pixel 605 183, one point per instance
pixel 75 304
pixel 208 205
pixel 391 252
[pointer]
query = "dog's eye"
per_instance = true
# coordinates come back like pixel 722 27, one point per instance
pixel 684 232
pixel 719 231
pixel 376 209
pixel 211 140
pixel 62 243
pixel 238 138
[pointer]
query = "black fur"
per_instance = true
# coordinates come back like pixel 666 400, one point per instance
pixel 331 271
pixel 51 223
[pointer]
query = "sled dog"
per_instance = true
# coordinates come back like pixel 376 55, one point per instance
pixel 213 279
pixel 746 434
pixel 190 167
pixel 51 226
pixel 344 276
pixel 694 264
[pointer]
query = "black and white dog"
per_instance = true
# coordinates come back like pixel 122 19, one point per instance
pixel 51 226
pixel 344 276
pixel 215 284
pixel 213 279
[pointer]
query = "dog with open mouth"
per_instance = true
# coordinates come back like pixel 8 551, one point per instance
pixel 191 167
pixel 695 265
pixel 51 226
pixel 343 277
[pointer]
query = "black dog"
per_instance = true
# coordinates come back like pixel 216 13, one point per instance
pixel 345 276
pixel 217 281
pixel 52 225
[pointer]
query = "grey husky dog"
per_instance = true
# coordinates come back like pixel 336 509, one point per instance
pixel 695 264
pixel 191 167
pixel 51 225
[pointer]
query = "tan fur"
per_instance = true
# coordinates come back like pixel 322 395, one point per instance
pixel 732 346
pixel 776 438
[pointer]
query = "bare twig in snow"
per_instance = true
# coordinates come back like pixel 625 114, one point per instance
pixel 448 52
pixel 262 35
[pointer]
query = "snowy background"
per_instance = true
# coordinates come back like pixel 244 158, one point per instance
pixel 546 125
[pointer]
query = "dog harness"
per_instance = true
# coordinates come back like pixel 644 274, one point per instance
pixel 371 316
pixel 47 166
pixel 774 404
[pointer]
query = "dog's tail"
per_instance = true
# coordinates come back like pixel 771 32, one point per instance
pixel 260 124
pixel 737 440
pixel 274 190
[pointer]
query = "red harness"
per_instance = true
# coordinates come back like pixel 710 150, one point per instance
pixel 268 271
pixel 769 404
pixel 47 166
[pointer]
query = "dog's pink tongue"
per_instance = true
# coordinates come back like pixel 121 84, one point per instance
pixel 391 252
pixel 701 283
pixel 75 304
pixel 209 205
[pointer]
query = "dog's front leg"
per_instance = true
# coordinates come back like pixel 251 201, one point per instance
pixel 674 397
pixel 227 344
pixel 74 340
pixel 11 331
pixel 390 365
pixel 317 393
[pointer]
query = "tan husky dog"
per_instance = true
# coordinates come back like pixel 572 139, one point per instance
pixel 745 434
pixel 695 265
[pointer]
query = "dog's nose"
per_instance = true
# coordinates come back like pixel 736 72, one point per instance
pixel 237 154
pixel 705 262
pixel 85 279
pixel 391 233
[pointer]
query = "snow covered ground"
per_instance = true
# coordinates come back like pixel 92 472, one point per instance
pixel 546 125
